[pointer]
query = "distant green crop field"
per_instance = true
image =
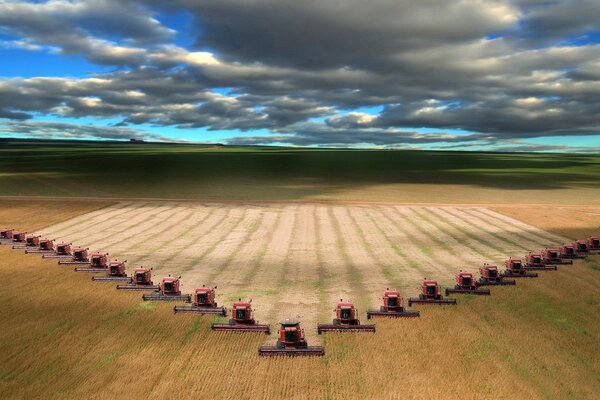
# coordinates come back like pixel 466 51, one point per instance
pixel 97 169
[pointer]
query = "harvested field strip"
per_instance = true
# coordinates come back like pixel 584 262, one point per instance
pixel 552 238
pixel 298 259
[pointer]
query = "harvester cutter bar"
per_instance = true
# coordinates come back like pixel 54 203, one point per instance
pixel 484 292
pixel 111 279
pixel 241 328
pixel 559 262
pixel 503 282
pixel 37 251
pixel 167 297
pixel 344 328
pixel 527 275
pixel 138 287
pixel 393 314
pixel 200 310
pixel 57 256
pixel 90 270
pixel 546 268
pixel 74 262
pixel 413 300
pixel 271 351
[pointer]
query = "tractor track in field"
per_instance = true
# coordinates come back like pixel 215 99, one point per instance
pixel 298 259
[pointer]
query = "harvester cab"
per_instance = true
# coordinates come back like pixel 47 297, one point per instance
pixel 346 320
pixel 242 320
pixel 63 250
pixel 291 342
pixel 430 294
pixel 514 268
pixel 18 237
pixel 115 272
pixel 6 235
pixel 535 262
pixel 80 256
pixel 491 276
pixel 393 306
pixel 593 243
pixel 98 263
pixel 465 283
pixel 141 280
pixel 581 246
pixel 168 291
pixel 552 256
pixel 203 303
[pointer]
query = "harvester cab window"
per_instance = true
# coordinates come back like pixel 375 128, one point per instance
pixel 29 240
pixel 139 278
pixel 240 313
pixel 168 287
pixel 392 302
pixel 536 260
pixel 96 261
pixel 61 249
pixel 466 281
pixel 290 336
pixel 430 290
pixel 516 266
pixel 569 250
pixel 114 270
pixel 201 298
pixel 492 273
pixel 346 313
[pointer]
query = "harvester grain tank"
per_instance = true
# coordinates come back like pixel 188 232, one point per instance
pixel 203 303
pixel 346 320
pixel 114 273
pixel 552 256
pixel 393 306
pixel 514 269
pixel 466 284
pixel 80 256
pixel 535 262
pixel 490 276
pixel 98 263
pixel 430 294
pixel 242 320
pixel 291 342
pixel 169 291
pixel 46 246
pixel 141 280
pixel 62 250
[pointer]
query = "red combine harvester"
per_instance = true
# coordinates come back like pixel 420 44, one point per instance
pixel 582 247
pixel 346 320
pixel 98 263
pixel 514 269
pixel 18 237
pixel 593 243
pixel 552 256
pixel 491 277
pixel 141 280
pixel 393 306
pixel 114 273
pixel 46 246
pixel 204 303
pixel 169 291
pixel 80 256
pixel 535 262
pixel 291 342
pixel 6 235
pixel 31 242
pixel 241 320
pixel 62 250
pixel 569 251
pixel 430 294
pixel 465 284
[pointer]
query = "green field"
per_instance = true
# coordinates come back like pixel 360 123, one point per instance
pixel 95 169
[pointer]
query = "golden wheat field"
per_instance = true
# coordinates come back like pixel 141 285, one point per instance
pixel 63 337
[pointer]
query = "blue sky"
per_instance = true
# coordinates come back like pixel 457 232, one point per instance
pixel 507 75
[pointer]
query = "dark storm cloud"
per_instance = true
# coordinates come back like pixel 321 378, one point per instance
pixel 297 67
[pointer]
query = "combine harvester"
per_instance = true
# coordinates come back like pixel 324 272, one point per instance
pixel 204 303
pixel 6 235
pixel 169 291
pixel 430 294
pixel 18 237
pixel 535 262
pixel 552 256
pixel 583 248
pixel 80 256
pixel 31 242
pixel 569 251
pixel 242 320
pixel 62 250
pixel 465 284
pixel 393 306
pixel 594 243
pixel 291 342
pixel 114 273
pixel 142 280
pixel 46 246
pixel 514 269
pixel 346 320
pixel 98 263
pixel 491 277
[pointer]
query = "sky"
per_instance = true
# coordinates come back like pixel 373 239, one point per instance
pixel 500 75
